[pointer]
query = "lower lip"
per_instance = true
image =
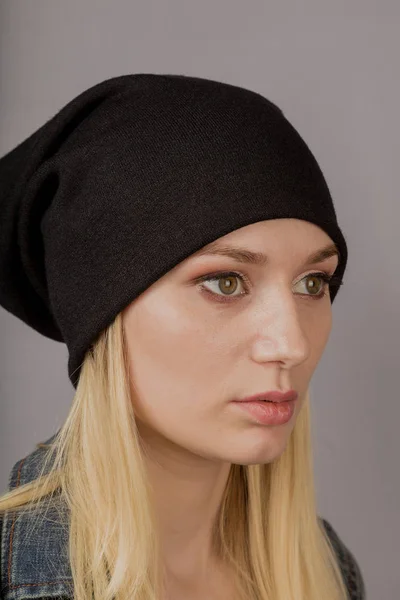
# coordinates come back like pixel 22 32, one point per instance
pixel 269 413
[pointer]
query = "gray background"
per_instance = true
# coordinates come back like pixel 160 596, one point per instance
pixel 333 67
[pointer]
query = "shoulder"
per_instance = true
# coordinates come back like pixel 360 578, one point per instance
pixel 28 468
pixel 348 565
pixel 25 569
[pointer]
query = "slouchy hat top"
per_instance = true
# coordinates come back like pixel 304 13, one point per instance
pixel 130 178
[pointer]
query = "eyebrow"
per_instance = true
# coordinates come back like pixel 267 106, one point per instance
pixel 258 258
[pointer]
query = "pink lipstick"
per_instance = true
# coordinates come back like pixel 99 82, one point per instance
pixel 269 408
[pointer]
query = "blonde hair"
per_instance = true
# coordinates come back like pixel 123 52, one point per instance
pixel 267 528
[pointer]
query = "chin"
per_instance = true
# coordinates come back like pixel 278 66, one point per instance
pixel 259 459
pixel 259 452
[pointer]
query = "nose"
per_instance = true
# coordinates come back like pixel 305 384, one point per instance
pixel 280 334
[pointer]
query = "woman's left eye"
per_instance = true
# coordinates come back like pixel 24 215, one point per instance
pixel 226 284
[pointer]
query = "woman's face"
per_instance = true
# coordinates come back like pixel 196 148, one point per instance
pixel 195 346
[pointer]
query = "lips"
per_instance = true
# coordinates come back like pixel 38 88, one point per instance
pixel 271 396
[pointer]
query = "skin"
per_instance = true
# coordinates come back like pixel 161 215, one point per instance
pixel 190 355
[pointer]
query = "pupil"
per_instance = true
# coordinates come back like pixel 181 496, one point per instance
pixel 227 284
pixel 312 284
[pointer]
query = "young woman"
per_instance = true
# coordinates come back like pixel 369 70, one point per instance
pixel 178 235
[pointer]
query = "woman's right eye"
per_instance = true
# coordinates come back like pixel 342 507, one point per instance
pixel 225 284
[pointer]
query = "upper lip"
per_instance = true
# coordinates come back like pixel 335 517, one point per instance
pixel 272 396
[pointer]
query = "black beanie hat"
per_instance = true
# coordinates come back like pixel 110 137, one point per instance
pixel 130 178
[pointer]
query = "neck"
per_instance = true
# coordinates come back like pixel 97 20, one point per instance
pixel 188 491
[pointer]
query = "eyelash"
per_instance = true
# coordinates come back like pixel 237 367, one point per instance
pixel 331 281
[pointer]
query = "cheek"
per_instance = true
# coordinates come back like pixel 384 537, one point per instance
pixel 322 333
pixel 172 359
pixel 318 336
